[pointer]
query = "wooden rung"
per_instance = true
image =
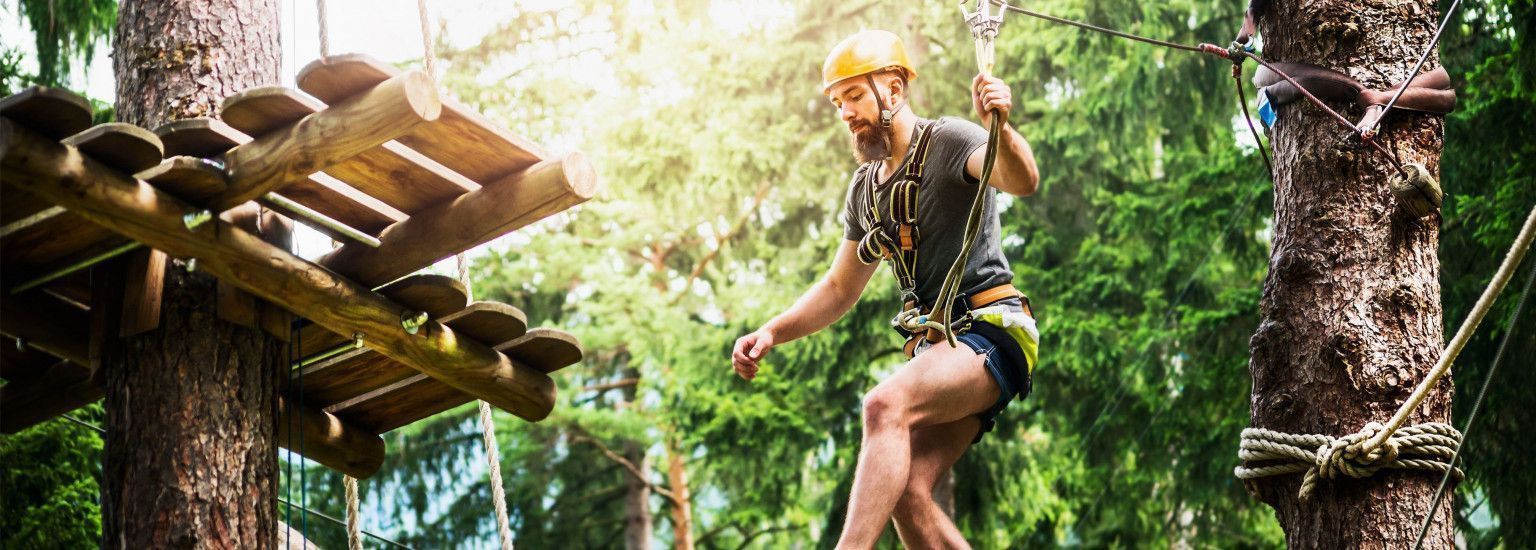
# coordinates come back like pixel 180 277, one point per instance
pixel 338 444
pixel 199 137
pixel 53 112
pixel 63 388
pixel 402 178
pixel 468 221
pixel 418 396
pixel 460 139
pixel 19 366
pixel 258 111
pixel 492 323
pixel 75 287
pixel 343 203
pixel 51 242
pixel 188 178
pixel 16 204
pixel 125 147
pixel 48 324
pixel 438 295
pixel 544 349
pixel 328 137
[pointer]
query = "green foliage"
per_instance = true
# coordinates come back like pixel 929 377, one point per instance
pixel 65 32
pixel 50 485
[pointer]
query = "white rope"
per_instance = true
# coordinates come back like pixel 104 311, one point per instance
pixel 426 40
pixel 325 34
pixel 498 494
pixel 354 524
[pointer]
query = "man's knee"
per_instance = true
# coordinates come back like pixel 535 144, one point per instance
pixel 884 408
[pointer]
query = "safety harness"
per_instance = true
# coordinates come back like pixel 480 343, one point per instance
pixel 914 321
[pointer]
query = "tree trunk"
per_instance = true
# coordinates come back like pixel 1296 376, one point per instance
pixel 1351 315
pixel 637 501
pixel 190 460
pixel 682 500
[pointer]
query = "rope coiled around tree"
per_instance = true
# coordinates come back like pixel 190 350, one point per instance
pixel 1429 446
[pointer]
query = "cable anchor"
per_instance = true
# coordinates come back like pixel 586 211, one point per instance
pixel 984 24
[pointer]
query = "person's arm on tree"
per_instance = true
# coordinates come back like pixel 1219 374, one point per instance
pixel 823 304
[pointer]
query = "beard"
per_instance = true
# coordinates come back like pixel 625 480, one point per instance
pixel 871 142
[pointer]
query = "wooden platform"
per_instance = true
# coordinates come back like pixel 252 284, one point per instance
pixel 377 151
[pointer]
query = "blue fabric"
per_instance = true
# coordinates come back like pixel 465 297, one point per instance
pixel 1007 367
pixel 1266 109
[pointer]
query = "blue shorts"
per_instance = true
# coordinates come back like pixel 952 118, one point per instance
pixel 1005 362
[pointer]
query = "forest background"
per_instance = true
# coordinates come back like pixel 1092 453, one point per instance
pixel 724 171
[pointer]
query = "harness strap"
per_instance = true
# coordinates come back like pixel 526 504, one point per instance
pixel 900 249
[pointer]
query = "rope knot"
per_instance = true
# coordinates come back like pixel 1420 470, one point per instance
pixel 1427 446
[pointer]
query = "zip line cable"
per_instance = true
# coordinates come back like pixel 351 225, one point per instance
pixel 1423 56
pixel 327 517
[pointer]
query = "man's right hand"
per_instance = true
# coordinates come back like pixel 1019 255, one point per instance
pixel 748 351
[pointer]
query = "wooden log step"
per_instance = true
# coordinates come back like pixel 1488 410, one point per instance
pixel 438 295
pixel 460 139
pixel 199 137
pixel 125 147
pixel 340 445
pixel 327 137
pixel 55 172
pixel 259 111
pixel 494 210
pixel 53 112
pixel 489 323
pixel 48 324
pixel 418 396
pixel 18 366
pixel 188 178
pixel 62 388
pixel 393 173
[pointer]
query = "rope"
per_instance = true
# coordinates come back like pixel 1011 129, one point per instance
pixel 498 494
pixel 354 527
pixel 1242 101
pixel 1428 446
pixel 1466 429
pixel 426 40
pixel 327 517
pixel 325 34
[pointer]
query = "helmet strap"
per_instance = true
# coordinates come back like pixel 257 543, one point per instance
pixel 886 115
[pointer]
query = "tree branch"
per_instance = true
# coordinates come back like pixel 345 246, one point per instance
pixel 722 238
pixel 627 382
pixel 626 464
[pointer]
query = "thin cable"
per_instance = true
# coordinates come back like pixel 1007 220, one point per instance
pixel 1096 28
pixel 1423 56
pixel 1477 404
pixel 84 423
pixel 303 472
pixel 327 517
pixel 1319 103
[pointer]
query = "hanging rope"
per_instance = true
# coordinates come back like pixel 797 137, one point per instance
pixel 1428 446
pixel 354 526
pixel 426 40
pixel 325 33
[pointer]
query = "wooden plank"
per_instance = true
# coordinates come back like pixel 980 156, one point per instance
pixel 277 230
pixel 460 139
pixel 136 209
pixel 16 204
pixel 330 136
pixel 342 203
pixel 402 178
pixel 417 396
pixel 48 324
pixel 199 137
pixel 122 146
pixel 191 179
pixel 143 285
pixel 53 112
pixel 468 221
pixel 59 241
pixel 235 305
pixel 492 323
pixel 25 364
pixel 258 111
pixel 336 443
pixel 438 295
pixel 63 388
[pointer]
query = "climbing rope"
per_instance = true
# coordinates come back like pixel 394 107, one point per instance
pixel 325 33
pixel 1428 446
pixel 354 525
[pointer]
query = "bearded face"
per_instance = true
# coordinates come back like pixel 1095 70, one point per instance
pixel 871 142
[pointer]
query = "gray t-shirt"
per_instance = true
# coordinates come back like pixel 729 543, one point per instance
pixel 943 203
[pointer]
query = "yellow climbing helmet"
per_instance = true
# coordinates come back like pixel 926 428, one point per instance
pixel 863 53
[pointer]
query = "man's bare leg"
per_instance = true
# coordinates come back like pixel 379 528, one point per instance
pixel 919 520
pixel 941 385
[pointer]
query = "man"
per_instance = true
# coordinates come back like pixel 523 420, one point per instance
pixel 918 422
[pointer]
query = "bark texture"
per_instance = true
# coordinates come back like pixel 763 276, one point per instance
pixel 1351 316
pixel 190 460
